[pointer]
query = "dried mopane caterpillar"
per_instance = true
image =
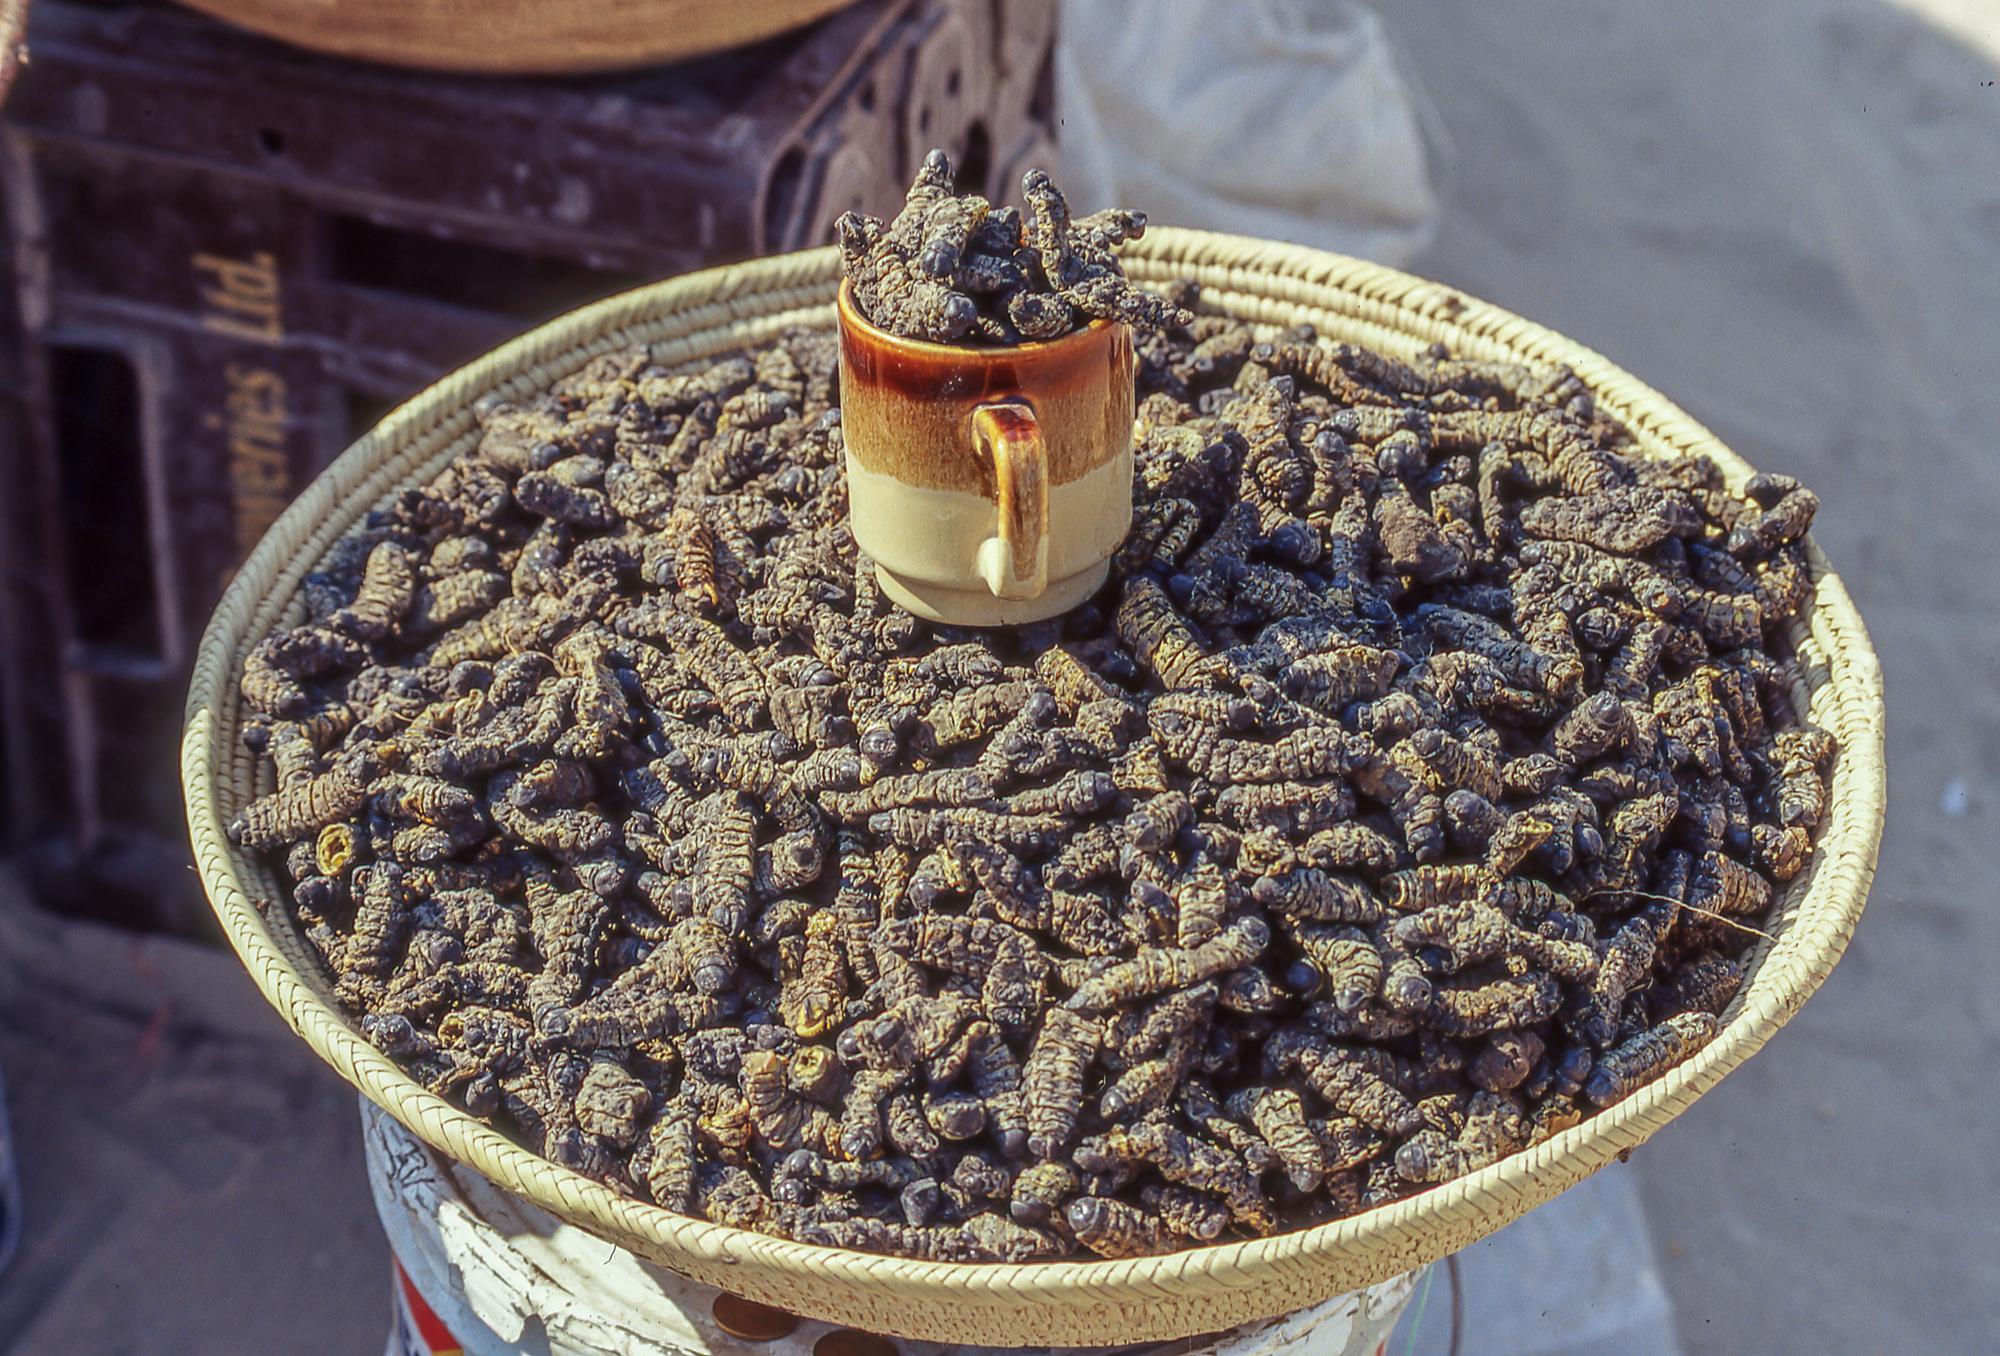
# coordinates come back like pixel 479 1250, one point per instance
pixel 304 808
pixel 611 1103
pixel 1494 1127
pixel 1184 1160
pixel 1622 1069
pixel 1353 1084
pixel 1279 1115
pixel 274 673
pixel 1159 1055
pixel 1468 933
pixel 1401 799
pixel 1344 962
pixel 923 828
pixel 382 907
pixel 1788 510
pixel 1800 757
pixel 813 997
pixel 953 268
pixel 1076 258
pixel 1190 1214
pixel 1113 1228
pixel 942 787
pixel 1153 629
pixel 1156 971
pixel 709 655
pixel 1333 679
pixel 1052 1080
pixel 388 587
pixel 1310 894
pixel 1505 1061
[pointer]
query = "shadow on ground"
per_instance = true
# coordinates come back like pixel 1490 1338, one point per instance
pixel 1787 218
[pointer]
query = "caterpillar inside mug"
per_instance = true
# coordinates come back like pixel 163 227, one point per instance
pixel 990 485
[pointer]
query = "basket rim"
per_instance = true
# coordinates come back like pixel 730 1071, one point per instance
pixel 1821 908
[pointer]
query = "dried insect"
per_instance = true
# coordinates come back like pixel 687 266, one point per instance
pixel 631 813
pixel 1344 1079
pixel 1152 627
pixel 1280 1117
pixel 1622 966
pixel 1111 1228
pixel 1310 894
pixel 1505 1061
pixel 1788 509
pixel 1446 763
pixel 274 672
pixel 1800 757
pixel 1089 278
pixel 668 1169
pixel 388 586
pixel 1724 885
pixel 1307 754
pixel 1334 678
pixel 726 860
pixel 943 786
pixel 1500 1004
pixel 569 835
pixel 921 829
pixel 1622 1069
pixel 708 655
pixel 303 809
pixel 1202 900
pixel 1077 794
pixel 1165 968
pixel 1186 1213
pixel 813 999
pixel 1493 1128
pixel 1158 1057
pixel 1705 984
pixel 1183 1160
pixel 1153 824
pixel 1520 662
pixel 1040 1190
pixel 381 918
pixel 611 1103
pixel 783 1120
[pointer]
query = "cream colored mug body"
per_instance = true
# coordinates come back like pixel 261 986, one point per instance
pixel 990 485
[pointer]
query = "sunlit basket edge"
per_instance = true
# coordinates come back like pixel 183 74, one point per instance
pixel 1066 1303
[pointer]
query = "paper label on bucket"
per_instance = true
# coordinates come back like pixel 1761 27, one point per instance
pixel 414 1329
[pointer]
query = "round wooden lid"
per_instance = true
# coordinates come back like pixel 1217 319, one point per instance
pixel 515 36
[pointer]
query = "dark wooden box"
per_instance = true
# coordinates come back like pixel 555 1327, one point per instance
pixel 230 257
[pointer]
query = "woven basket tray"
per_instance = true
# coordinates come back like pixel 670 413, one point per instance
pixel 518 37
pixel 689 319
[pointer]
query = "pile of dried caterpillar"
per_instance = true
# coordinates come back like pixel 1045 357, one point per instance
pixel 1411 790
pixel 954 268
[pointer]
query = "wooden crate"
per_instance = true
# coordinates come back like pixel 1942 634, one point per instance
pixel 231 257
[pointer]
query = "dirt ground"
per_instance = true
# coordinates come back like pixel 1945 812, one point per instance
pixel 1787 217
pixel 1784 215
pixel 191 1171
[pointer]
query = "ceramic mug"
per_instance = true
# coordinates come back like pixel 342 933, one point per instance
pixel 990 485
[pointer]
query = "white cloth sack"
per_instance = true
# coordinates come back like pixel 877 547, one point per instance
pixel 508 1280
pixel 1290 119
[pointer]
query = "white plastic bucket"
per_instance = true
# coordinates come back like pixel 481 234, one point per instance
pixel 483 1273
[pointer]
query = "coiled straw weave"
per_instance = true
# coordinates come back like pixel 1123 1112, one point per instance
pixel 688 319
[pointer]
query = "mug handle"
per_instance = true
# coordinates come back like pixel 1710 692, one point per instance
pixel 1015 561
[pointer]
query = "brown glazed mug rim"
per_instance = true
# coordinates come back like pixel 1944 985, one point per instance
pixel 851 315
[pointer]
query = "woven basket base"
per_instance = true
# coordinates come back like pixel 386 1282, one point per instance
pixel 1064 1303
